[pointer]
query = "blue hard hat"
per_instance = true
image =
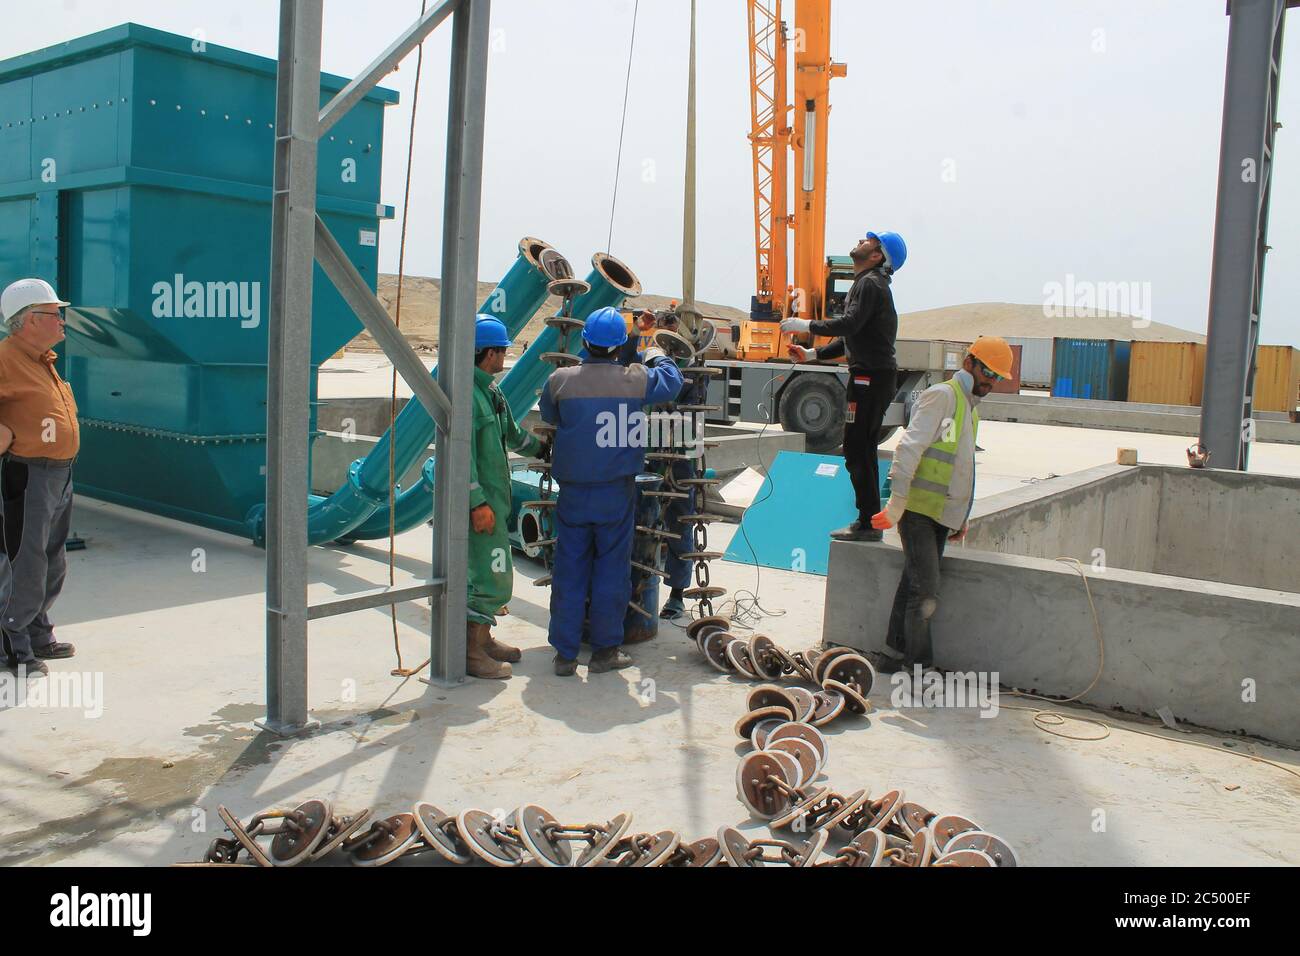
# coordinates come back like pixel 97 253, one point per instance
pixel 894 247
pixel 605 328
pixel 490 333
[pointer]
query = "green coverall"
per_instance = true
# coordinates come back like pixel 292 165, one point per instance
pixel 491 570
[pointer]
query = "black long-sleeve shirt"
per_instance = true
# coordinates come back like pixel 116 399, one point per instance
pixel 869 326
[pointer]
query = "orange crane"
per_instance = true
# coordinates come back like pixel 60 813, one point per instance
pixel 778 147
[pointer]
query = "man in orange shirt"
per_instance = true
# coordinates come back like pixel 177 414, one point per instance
pixel 37 408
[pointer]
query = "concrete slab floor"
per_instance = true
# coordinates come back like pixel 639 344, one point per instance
pixel 181 654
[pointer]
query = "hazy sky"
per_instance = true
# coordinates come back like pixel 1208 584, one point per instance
pixel 1083 135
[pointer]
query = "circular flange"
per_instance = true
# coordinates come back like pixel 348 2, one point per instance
pixel 965 858
pixel 804 701
pixel 824 658
pixel 660 850
pixel 702 634
pixel 852 669
pixel 758 736
pixel 762 654
pixel 912 818
pixel 830 704
pixel 341 829
pixel 922 847
pixel 439 831
pixel 715 650
pixel 674 345
pixel 534 824
pixel 754 787
pixel 293 844
pixel 793 772
pixel 871 844
pixel 811 850
pixel 802 751
pixel 769 695
pixel 568 288
pixel 803 732
pixel 734 847
pixel 605 841
pixel 386 847
pixel 948 826
pixel 738 656
pixel 746 724
pixel 995 847
pixel 810 802
pixel 476 828
pixel 246 841
pixel 693 628
pixel 700 854
pixel 885 809
pixel 852 804
pixel 854 702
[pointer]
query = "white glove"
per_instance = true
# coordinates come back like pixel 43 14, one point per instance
pixel 796 325
pixel 805 355
pixel 653 353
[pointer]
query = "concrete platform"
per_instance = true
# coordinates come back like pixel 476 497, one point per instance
pixel 180 651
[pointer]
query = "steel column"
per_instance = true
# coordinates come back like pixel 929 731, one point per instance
pixel 1241 227
pixel 460 240
pixel 293 222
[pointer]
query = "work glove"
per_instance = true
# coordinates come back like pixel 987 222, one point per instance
pixel 544 448
pixel 801 354
pixel 796 325
pixel 960 535
pixel 654 353
pixel 893 513
pixel 483 519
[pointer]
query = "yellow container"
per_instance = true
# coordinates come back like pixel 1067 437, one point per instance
pixel 1166 373
pixel 1277 379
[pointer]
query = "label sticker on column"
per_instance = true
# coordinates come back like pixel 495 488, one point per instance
pixel 369 237
pixel 827 470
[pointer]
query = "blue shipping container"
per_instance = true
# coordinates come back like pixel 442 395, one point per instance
pixel 1090 368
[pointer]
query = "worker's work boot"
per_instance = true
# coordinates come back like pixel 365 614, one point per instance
pixel 565 667
pixel 858 532
pixel 478 663
pixel 502 652
pixel 608 659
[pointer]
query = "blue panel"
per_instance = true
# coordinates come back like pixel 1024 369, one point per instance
pixel 803 499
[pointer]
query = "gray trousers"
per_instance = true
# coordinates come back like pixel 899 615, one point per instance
pixel 917 597
pixel 37 517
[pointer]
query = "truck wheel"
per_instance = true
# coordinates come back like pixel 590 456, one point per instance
pixel 886 433
pixel 814 404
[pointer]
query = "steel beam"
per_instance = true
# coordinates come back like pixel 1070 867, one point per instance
pixel 1241 227
pixel 352 286
pixel 373 597
pixel 460 241
pixel 293 216
pixel 353 93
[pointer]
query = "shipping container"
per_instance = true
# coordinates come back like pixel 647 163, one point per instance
pixel 1166 373
pixel 1277 379
pixel 1035 361
pixel 1090 368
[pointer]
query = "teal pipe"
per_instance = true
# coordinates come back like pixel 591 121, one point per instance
pixel 611 282
pixel 515 300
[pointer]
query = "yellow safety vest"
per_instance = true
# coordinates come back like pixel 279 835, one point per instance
pixel 928 494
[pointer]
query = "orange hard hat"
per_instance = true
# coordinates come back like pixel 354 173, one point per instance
pixel 994 352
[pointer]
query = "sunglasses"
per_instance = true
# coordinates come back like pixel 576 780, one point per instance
pixel 987 372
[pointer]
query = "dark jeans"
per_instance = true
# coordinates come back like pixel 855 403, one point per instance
pixel 917 597
pixel 862 435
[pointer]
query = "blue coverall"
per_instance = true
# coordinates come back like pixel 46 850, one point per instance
pixel 596 408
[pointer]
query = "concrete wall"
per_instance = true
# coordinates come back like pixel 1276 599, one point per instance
pixel 1174 642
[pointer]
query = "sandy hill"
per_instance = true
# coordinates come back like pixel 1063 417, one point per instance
pixel 963 323
pixel 422 302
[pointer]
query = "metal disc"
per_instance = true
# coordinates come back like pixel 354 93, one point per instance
pixel 533 824
pixel 388 847
pixel 872 844
pixel 885 809
pixel 769 695
pixel 715 650
pixel 802 751
pixel 830 703
pixel 811 850
pixel 703 633
pixel 758 736
pixel 246 841
pixel 738 655
pixel 852 669
pixel 762 652
pixel 662 846
pixel 922 847
pixel 912 818
pixel 475 828
pixel 793 771
pixel 734 847
pixel 808 803
pixel 965 858
pixel 746 724
pixel 948 826
pixel 996 848
pixel 803 732
pixel 600 848
pixel 291 846
pixel 823 658
pixel 693 628
pixel 853 803
pixel 341 828
pixel 701 853
pixel 854 702
pixel 755 789
pixel 804 701
pixel 439 831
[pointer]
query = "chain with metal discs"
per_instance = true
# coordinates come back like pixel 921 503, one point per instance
pixel 568 288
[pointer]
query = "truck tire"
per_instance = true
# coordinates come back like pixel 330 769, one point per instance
pixel 813 403
pixel 886 433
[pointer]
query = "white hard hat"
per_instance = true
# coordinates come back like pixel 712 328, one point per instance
pixel 19 295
